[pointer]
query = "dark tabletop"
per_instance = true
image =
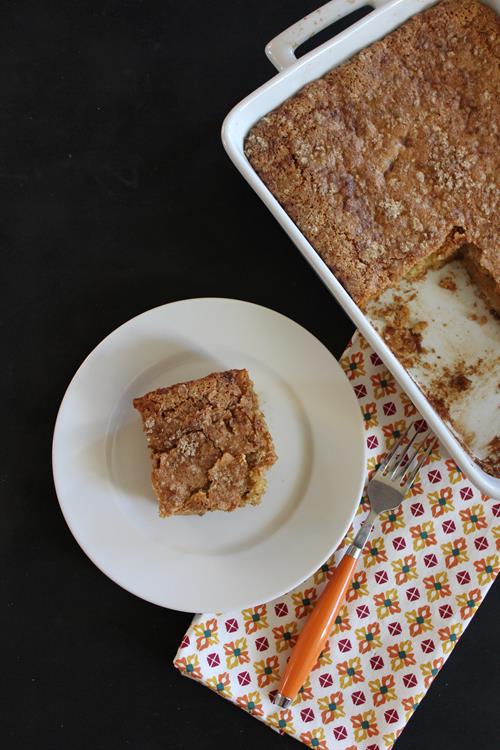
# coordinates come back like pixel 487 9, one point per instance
pixel 116 196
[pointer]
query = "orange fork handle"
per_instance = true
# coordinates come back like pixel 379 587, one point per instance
pixel 317 629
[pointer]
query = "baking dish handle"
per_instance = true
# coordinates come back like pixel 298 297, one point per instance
pixel 281 49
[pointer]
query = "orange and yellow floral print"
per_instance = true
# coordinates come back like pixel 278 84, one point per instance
pixel 389 740
pixel 364 725
pixel 437 586
pixel 358 587
pixel 315 739
pixel 364 505
pixel 496 536
pixel 419 620
pixel 468 603
pixel 304 602
pixel 325 657
pixel 255 618
pixel 487 569
pixel 331 707
pixel 383 690
pixel 473 519
pixel 401 655
pixel 326 571
pixel 189 666
pixel 383 384
pixel 374 552
pixel 347 540
pixel 392 520
pixel 368 637
pixel 416 488
pixel 408 405
pixel 455 552
pixel 305 692
pixel 410 704
pixel 449 636
pixel 363 344
pixel 430 669
pixel 423 535
pixel 236 653
pixel 387 603
pixel 405 569
pixel 353 365
pixel 392 432
pixel 285 636
pixel 434 454
pixel 350 672
pixel 341 622
pixel 267 670
pixel 252 703
pixel 441 501
pixel 282 721
pixel 221 684
pixel 454 472
pixel 369 414
pixel 206 633
pixel 374 463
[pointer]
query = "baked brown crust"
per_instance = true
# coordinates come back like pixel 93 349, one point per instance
pixel 394 154
pixel 209 444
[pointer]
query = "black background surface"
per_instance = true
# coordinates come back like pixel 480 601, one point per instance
pixel 116 196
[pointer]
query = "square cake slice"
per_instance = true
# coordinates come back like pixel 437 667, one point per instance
pixel 209 444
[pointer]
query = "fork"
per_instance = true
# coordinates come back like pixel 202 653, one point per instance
pixel 387 488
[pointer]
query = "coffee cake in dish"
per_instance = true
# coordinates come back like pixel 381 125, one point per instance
pixel 389 163
pixel 209 444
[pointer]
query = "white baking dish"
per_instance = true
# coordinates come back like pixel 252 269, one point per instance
pixel 388 14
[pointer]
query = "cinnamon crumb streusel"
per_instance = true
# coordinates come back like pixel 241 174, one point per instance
pixel 392 157
pixel 209 444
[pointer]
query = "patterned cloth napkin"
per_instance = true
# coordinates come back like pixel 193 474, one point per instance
pixel 424 572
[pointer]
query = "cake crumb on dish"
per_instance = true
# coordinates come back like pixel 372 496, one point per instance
pixel 480 319
pixel 448 282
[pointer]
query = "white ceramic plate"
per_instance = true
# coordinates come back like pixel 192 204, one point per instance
pixel 219 561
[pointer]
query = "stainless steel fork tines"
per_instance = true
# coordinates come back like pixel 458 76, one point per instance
pixel 402 464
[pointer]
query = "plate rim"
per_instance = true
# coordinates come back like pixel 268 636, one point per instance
pixel 57 481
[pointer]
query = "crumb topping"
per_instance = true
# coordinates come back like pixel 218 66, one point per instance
pixel 379 161
pixel 209 443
